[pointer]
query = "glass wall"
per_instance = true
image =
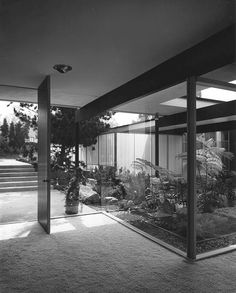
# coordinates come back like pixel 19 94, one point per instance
pixel 215 155
pixel 141 176
pixel 141 172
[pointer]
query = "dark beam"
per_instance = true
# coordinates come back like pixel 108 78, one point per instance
pixel 210 54
pixel 215 111
pixel 216 84
pixel 222 126
pixel 199 99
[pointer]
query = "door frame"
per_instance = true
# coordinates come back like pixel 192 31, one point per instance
pixel 44 136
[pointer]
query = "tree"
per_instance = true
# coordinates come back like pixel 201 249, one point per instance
pixel 63 126
pixel 90 129
pixel 12 135
pixel 19 135
pixel 5 129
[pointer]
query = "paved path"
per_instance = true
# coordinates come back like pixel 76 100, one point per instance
pixel 22 206
pixel 11 162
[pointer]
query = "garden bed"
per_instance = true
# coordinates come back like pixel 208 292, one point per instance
pixel 146 224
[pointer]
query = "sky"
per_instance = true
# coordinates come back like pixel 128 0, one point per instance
pixel 117 120
pixel 6 112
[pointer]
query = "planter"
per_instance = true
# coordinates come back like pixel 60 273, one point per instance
pixel 71 209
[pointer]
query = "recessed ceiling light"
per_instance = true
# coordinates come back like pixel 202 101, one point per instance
pixel 62 68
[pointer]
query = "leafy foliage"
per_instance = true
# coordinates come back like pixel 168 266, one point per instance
pixel 163 173
pixel 166 190
pixel 5 128
pixel 13 137
pixel 92 128
pixel 212 178
pixel 63 126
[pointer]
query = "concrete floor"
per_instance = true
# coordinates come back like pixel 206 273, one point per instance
pixel 96 254
pixel 11 162
pixel 22 206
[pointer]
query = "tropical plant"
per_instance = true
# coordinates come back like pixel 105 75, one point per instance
pixel 170 188
pixel 145 165
pixel 211 178
pixel 209 159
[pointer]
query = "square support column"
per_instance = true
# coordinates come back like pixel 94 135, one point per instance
pixel 115 150
pixel 76 141
pixel 157 142
pixel 191 168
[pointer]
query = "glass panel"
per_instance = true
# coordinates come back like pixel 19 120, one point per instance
pixel 141 183
pixel 148 194
pixel 216 163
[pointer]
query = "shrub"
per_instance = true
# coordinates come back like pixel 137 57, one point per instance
pixel 209 225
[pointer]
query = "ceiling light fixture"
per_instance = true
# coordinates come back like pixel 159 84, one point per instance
pixel 62 68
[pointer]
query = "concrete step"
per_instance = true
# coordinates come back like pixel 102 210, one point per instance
pixel 20 178
pixel 15 166
pixel 19 170
pixel 18 188
pixel 18 183
pixel 18 174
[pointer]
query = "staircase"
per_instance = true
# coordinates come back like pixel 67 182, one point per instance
pixel 18 178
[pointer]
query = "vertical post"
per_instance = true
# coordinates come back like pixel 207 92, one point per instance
pixel 98 151
pixel 232 147
pixel 115 150
pixel 76 142
pixel 191 167
pixel 44 140
pixel 157 142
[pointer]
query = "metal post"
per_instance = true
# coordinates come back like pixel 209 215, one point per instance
pixel 76 142
pixel 157 142
pixel 191 167
pixel 115 150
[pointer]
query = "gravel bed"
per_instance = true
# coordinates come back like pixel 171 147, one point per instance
pixel 179 242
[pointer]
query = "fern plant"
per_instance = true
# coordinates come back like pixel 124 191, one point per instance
pixel 210 174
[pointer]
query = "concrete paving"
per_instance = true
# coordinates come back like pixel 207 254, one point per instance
pixel 11 162
pixel 17 206
pixel 22 206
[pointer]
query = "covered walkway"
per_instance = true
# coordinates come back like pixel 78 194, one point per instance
pixel 94 253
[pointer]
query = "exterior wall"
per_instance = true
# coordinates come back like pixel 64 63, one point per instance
pixel 125 150
pixel 92 155
pixel 106 149
pixel 131 146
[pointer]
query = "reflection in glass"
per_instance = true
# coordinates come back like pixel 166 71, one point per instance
pixel 216 166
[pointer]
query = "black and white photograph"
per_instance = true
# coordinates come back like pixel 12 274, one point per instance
pixel 117 146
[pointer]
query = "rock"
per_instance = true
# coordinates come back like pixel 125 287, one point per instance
pixel 138 210
pixel 88 195
pixel 155 180
pixel 92 182
pixel 123 203
pixel 130 204
pixel 126 204
pixel 110 200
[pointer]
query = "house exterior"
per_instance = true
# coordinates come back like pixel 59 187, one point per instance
pixel 154 58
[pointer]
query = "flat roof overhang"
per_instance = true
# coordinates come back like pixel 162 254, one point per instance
pixel 214 52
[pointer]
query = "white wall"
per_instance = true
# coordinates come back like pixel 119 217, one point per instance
pixel 131 146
